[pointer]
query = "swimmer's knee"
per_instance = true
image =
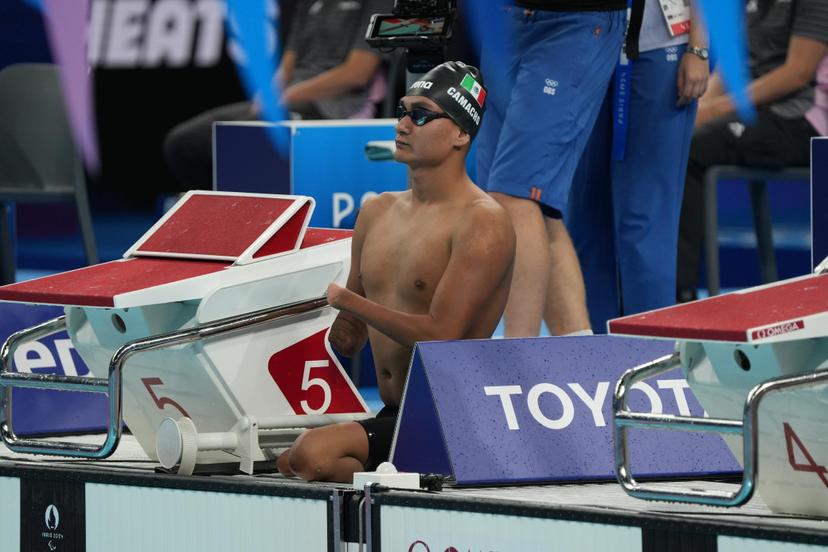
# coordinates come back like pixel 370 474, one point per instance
pixel 309 458
pixel 283 464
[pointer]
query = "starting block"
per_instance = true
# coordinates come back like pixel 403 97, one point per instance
pixel 757 360
pixel 209 337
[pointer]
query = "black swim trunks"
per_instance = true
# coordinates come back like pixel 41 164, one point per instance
pixel 380 431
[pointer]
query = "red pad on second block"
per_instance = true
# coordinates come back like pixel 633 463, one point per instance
pixel 319 236
pixel 215 225
pixel 730 317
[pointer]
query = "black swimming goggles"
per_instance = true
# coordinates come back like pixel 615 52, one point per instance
pixel 419 115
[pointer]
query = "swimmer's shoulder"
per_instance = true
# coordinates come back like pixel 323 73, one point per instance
pixel 375 206
pixel 485 220
pixel 484 208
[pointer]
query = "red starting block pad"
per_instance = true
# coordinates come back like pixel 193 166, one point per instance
pixel 227 227
pixel 790 310
pixel 100 285
pixel 183 255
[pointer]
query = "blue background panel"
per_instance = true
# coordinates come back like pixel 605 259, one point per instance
pixel 329 164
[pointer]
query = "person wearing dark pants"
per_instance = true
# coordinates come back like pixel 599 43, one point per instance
pixel 773 142
pixel 626 197
pixel 787 40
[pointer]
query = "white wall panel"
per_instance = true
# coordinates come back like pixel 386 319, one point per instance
pixel 10 513
pixel 140 519
pixel 737 544
pixel 437 530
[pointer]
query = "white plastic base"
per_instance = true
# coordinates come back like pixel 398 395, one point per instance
pixel 387 475
pixel 176 443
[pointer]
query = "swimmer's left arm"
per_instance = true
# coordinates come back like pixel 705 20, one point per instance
pixel 482 257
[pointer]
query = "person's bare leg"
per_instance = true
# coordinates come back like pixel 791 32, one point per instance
pixel 565 309
pixel 329 453
pixel 283 464
pixel 529 279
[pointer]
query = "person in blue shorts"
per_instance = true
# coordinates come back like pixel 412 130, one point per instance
pixel 626 197
pixel 535 131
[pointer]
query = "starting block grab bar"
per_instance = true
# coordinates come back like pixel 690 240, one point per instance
pixel 111 386
pixel 747 427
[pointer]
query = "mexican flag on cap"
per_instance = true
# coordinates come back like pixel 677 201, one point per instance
pixel 474 89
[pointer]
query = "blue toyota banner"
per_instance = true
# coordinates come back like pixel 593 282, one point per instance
pixel 526 410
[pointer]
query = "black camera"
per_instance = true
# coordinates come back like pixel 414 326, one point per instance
pixel 422 27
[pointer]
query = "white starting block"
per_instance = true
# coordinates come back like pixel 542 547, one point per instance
pixel 756 360
pixel 209 337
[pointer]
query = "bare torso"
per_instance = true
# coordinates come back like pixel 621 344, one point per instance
pixel 404 255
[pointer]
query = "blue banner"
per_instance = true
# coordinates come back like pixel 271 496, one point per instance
pixel 621 85
pixel 327 162
pixel 244 159
pixel 527 410
pixel 621 108
pixel 37 411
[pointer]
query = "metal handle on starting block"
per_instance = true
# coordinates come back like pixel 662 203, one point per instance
pixel 624 419
pixel 747 428
pixel 10 380
pixel 112 386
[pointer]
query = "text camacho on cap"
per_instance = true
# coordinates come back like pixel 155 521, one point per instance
pixel 458 89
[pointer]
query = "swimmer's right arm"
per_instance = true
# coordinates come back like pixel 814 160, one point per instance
pixel 348 333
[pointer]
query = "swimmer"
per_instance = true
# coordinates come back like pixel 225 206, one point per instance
pixel 430 263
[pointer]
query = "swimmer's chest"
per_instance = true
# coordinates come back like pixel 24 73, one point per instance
pixel 405 261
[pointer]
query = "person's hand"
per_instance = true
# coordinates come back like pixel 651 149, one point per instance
pixel 693 75
pixel 288 96
pixel 280 79
pixel 705 114
pixel 716 108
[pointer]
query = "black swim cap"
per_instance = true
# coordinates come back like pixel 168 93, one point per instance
pixel 458 89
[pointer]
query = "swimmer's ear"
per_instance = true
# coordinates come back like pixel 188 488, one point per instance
pixel 463 138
